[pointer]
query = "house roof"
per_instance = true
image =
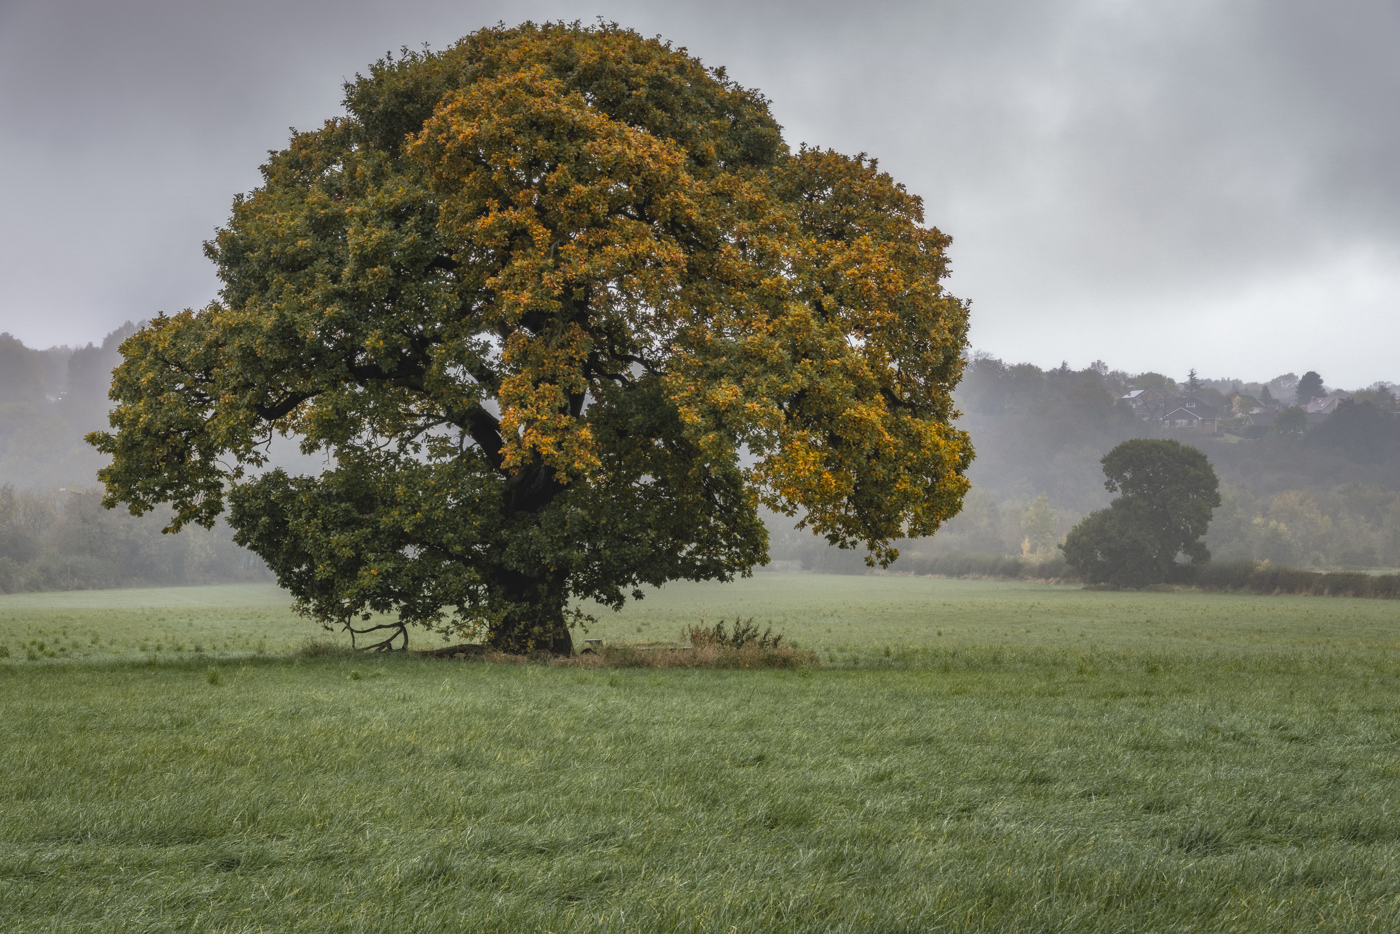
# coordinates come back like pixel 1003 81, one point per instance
pixel 1142 395
pixel 1322 406
pixel 1246 400
pixel 1193 404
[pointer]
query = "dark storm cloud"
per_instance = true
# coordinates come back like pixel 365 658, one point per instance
pixel 1161 185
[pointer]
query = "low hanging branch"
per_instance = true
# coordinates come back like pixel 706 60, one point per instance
pixel 384 645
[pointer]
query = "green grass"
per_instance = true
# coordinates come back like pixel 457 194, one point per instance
pixel 218 621
pixel 980 756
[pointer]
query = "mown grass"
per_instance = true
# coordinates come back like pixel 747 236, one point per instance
pixel 1134 762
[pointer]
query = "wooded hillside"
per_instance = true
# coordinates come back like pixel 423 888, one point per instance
pixel 1329 498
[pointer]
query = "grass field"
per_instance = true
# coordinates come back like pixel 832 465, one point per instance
pixel 972 756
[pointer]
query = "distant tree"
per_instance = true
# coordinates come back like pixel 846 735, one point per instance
pixel 1265 396
pixel 562 309
pixel 1364 432
pixel 1379 395
pixel 1212 396
pixel 21 372
pixel 1193 382
pixel 1309 388
pixel 1291 424
pixel 85 401
pixel 1157 382
pixel 1168 491
pixel 1038 526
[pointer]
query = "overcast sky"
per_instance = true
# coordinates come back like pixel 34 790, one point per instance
pixel 1162 185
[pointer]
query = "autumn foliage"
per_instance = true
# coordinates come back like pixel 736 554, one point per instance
pixel 562 309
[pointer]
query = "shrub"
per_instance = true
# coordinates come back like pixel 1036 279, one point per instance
pixel 745 633
pixel 994 567
pixel 317 648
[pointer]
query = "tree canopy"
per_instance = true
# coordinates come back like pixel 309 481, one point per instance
pixel 1367 434
pixel 1168 492
pixel 1309 387
pixel 561 309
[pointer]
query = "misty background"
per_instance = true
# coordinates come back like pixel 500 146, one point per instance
pixel 1160 185
pixel 1324 493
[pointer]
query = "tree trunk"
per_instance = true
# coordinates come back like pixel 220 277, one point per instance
pixel 523 635
pixel 537 623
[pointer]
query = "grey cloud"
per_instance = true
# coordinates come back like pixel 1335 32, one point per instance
pixel 1162 185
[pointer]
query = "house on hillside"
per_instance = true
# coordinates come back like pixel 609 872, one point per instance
pixel 1147 404
pixel 1251 411
pixel 1190 412
pixel 1242 404
pixel 1319 409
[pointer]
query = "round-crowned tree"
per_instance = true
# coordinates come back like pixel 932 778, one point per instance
pixel 561 309
pixel 1168 492
pixel 1309 387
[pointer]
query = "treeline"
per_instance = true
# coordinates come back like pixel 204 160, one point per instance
pixel 62 539
pixel 49 399
pixel 1325 497
pixel 54 533
pixel 1354 525
pixel 1245 577
pixel 1252 577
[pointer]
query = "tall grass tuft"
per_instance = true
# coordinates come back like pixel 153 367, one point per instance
pixel 745 632
pixel 714 646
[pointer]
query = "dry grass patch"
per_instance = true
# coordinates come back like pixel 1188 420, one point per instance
pixel 708 647
pixel 625 655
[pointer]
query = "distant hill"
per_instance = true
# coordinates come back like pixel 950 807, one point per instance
pixel 54 533
pixel 1330 498
pixel 49 399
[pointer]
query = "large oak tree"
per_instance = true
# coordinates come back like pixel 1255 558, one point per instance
pixel 562 309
